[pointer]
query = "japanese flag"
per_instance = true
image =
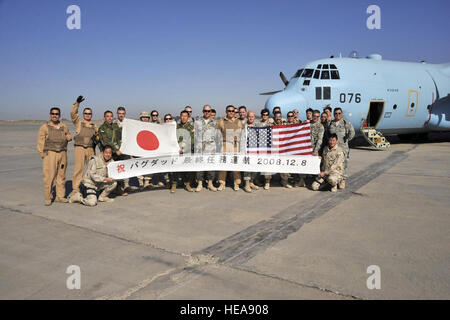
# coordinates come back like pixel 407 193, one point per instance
pixel 146 139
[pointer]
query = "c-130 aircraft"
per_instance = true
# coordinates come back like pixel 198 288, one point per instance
pixel 377 96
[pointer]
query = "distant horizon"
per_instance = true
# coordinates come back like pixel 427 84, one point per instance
pixel 162 55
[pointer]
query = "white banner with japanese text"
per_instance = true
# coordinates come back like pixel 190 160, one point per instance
pixel 215 162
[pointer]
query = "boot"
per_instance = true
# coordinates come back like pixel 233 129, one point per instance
pixel 104 197
pixel 62 200
pixel 236 187
pixel 188 187
pixel 211 186
pixel 267 185
pixel 174 187
pixel 247 186
pixel 48 202
pixel 334 189
pixel 141 183
pixel 126 186
pixel 301 182
pixel 315 186
pixel 147 183
pixel 221 186
pixel 253 186
pixel 160 184
pixel 342 184
pixel 199 186
pixel 75 197
pixel 285 184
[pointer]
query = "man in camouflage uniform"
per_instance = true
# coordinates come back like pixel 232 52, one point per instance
pixel 96 179
pixel 206 141
pixel 325 123
pixel 279 120
pixel 249 177
pixel 299 179
pixel 123 185
pixel 110 134
pixel 265 122
pixel 84 145
pixel 52 142
pixel 345 132
pixel 146 180
pixel 185 134
pixel 332 165
pixel 230 129
pixel 317 132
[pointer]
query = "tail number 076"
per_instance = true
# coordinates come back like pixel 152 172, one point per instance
pixel 349 97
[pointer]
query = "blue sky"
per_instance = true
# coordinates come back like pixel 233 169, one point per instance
pixel 165 55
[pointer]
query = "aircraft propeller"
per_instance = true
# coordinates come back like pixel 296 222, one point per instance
pixel 283 78
pixel 285 81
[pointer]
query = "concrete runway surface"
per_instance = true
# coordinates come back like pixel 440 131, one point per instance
pixel 276 244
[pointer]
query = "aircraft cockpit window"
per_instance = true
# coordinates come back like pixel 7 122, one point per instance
pixel 332 66
pixel 298 73
pixel 319 66
pixel 334 74
pixel 316 74
pixel 307 73
pixel 325 66
pixel 325 75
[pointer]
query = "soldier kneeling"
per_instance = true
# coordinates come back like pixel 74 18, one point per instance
pixel 332 165
pixel 96 179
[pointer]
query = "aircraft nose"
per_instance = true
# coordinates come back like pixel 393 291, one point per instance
pixel 286 100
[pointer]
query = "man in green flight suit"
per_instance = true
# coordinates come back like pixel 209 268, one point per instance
pixel 185 134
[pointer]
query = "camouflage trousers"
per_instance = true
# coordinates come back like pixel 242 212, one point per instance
pixel 332 179
pixel 91 193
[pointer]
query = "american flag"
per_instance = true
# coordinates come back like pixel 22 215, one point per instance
pixel 288 139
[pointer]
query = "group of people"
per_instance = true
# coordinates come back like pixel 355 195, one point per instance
pixel 329 139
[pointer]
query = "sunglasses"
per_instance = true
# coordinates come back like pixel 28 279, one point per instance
pixel 154 115
pixel 230 110
pixel 188 111
pixel 54 114
pixel 87 113
pixel 290 116
pixel 206 110
pixel 167 119
pixel 338 113
pixel 265 114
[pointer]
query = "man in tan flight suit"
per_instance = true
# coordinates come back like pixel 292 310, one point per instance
pixel 231 129
pixel 84 145
pixel 52 142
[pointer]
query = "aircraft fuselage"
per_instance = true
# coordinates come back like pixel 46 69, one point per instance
pixel 395 97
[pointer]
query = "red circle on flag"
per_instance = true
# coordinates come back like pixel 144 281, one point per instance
pixel 147 140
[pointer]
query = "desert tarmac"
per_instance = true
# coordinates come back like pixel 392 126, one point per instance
pixel 275 244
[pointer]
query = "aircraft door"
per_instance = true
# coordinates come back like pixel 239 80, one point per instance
pixel 413 100
pixel 374 114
